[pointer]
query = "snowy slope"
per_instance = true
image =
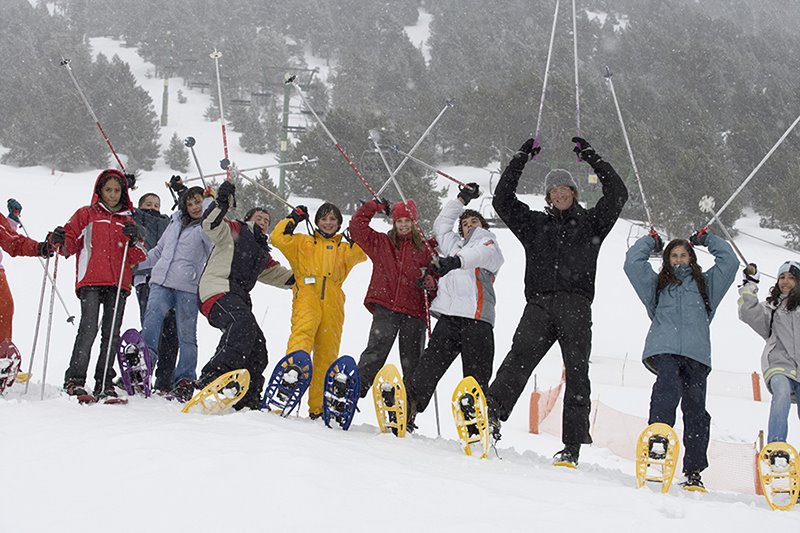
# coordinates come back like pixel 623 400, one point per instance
pixel 146 465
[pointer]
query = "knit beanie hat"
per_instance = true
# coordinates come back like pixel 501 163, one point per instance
pixel 793 267
pixel 559 176
pixel 401 210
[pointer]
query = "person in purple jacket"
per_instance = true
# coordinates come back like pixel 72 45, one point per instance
pixel 177 262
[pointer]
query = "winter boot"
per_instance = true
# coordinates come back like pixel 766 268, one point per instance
pixel 289 381
pixel 387 396
pixel 494 423
pixel 657 447
pixel 568 456
pixel 339 401
pixel 105 391
pixel 693 482
pixel 183 391
pixel 412 413
pixel 73 388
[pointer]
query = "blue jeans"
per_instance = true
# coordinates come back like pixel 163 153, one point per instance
pixel 161 300
pixel 782 388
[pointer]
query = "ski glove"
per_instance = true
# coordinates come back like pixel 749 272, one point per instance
pixel 659 244
pixel 176 184
pixel 751 273
pixel 131 181
pixel 427 281
pixel 699 238
pixel 299 214
pixel 382 205
pixel 131 231
pixel 224 194
pixel 57 238
pixel 445 265
pixel 468 192
pixel 44 249
pixel 585 151
pixel 529 150
pixel 14 209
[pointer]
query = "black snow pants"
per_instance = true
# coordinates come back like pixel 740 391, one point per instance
pixel 242 346
pixel 386 325
pixel 474 339
pixel 558 316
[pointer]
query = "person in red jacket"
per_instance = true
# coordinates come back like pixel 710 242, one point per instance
pixel 14 244
pixel 99 234
pixel 395 296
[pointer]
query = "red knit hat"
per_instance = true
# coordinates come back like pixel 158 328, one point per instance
pixel 401 210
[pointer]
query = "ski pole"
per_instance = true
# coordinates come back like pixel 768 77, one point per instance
pixel 38 323
pixel 292 79
pixel 303 161
pixel 114 317
pixel 215 55
pixel 628 144
pixel 374 138
pixel 65 63
pixel 433 169
pixel 242 175
pixel 190 142
pixel 706 205
pixel 393 173
pixel 70 316
pixel 537 135
pixel 575 58
pixel 49 325
pixel 753 173
pixel 428 329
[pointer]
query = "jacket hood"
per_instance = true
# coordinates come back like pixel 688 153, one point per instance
pixel 125 199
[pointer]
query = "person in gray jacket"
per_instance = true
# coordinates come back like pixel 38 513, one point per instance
pixel 681 300
pixel 776 320
pixel 177 262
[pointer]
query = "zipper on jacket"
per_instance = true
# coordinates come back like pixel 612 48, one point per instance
pixel 324 280
pixel 400 269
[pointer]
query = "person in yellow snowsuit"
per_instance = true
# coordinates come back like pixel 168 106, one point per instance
pixel 320 263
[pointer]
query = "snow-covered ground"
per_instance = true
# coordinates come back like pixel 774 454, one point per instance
pixel 147 466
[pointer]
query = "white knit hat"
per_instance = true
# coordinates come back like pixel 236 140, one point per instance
pixel 793 267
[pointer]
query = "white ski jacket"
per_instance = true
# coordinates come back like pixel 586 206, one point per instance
pixel 467 291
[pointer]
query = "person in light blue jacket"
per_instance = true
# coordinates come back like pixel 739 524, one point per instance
pixel 177 262
pixel 681 300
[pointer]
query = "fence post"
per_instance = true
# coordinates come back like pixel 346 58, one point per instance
pixel 533 424
pixel 756 386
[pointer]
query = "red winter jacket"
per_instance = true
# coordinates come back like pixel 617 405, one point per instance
pixel 395 271
pixel 14 243
pixel 95 234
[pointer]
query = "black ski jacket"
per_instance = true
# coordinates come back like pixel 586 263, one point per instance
pixel 561 247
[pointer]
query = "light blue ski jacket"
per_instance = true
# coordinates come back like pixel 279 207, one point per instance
pixel 680 321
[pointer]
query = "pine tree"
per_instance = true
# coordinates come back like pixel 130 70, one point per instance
pixel 177 156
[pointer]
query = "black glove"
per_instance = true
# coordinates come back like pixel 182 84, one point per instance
pixel 525 153
pixel 224 194
pixel 659 246
pixel 131 231
pixel 131 180
pixel 44 249
pixel 14 209
pixel 382 205
pixel 470 192
pixel 176 184
pixel 751 273
pixel 699 238
pixel 585 151
pixel 298 214
pixel 57 238
pixel 428 282
pixel 445 265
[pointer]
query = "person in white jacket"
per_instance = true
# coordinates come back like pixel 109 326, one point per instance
pixel 465 301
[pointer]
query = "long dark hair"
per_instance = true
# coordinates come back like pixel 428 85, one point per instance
pixel 667 278
pixel 792 299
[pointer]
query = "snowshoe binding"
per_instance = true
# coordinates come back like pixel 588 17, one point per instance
pixel 470 414
pixel 221 394
pixel 779 473
pixel 135 364
pixel 657 452
pixel 342 385
pixel 289 381
pixel 10 361
pixel 389 396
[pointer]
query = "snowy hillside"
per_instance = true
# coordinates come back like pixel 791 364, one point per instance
pixel 147 466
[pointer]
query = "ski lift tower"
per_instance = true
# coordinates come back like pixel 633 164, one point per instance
pixel 304 79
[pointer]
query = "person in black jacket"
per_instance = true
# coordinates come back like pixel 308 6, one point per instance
pixel 561 247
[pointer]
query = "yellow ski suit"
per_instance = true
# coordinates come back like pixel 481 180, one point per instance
pixel 320 266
